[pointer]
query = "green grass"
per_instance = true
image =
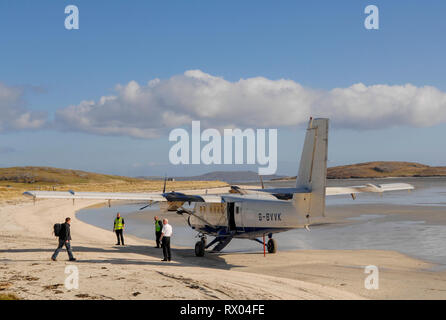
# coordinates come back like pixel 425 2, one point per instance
pixel 8 296
pixel 52 176
pixel 16 180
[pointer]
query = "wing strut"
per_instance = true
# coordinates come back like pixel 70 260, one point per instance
pixel 222 242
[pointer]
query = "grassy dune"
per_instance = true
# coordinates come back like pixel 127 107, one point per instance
pixel 8 296
pixel 14 181
pixel 384 169
pixel 381 169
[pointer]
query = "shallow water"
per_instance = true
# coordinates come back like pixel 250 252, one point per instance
pixel 372 231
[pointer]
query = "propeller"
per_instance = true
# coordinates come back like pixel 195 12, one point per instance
pixel 149 205
pixel 164 191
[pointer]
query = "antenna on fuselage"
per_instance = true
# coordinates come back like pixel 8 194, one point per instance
pixel 261 181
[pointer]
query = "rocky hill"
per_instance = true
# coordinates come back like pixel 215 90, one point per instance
pixel 382 169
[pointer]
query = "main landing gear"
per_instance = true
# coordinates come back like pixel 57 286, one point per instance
pixel 200 247
pixel 220 241
pixel 271 245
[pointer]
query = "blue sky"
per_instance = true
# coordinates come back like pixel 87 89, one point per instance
pixel 320 45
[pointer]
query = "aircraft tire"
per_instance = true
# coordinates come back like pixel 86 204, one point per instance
pixel 199 248
pixel 272 246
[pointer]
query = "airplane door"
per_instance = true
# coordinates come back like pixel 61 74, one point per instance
pixel 231 216
pixel 235 216
pixel 238 216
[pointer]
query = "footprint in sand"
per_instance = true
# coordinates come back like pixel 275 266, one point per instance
pixel 5 285
pixel 52 286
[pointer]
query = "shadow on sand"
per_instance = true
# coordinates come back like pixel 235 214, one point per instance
pixel 180 256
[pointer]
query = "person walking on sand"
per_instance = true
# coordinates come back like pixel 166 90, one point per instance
pixel 166 233
pixel 158 227
pixel 118 227
pixel 64 240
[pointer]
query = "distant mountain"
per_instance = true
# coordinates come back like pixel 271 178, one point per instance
pixel 382 169
pixel 52 176
pixel 227 176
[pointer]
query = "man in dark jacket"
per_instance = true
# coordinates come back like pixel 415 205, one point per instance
pixel 64 240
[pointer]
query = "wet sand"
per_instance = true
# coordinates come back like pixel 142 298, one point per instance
pixel 417 231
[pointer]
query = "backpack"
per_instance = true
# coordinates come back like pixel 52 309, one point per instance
pixel 57 228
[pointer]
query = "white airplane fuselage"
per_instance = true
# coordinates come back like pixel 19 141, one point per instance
pixel 244 217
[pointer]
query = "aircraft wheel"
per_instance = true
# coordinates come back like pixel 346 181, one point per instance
pixel 272 246
pixel 199 248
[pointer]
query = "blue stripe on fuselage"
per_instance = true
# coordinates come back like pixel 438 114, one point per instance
pixel 241 232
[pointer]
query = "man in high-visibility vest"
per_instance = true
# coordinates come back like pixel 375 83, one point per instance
pixel 158 227
pixel 118 227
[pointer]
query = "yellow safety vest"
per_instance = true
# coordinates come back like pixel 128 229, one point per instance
pixel 157 226
pixel 118 223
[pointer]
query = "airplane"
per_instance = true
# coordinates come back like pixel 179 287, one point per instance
pixel 250 213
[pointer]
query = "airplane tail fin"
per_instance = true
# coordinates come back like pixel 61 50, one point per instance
pixel 313 170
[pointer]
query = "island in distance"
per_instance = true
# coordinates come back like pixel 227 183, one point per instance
pixel 381 169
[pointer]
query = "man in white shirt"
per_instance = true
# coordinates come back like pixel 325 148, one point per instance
pixel 166 233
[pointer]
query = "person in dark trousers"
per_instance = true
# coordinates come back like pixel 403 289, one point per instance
pixel 118 227
pixel 64 240
pixel 158 227
pixel 166 233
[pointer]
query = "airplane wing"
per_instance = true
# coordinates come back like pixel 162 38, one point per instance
pixel 169 196
pixel 287 193
pixel 330 191
pixel 209 198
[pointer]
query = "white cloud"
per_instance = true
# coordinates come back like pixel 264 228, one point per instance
pixel 13 113
pixel 144 111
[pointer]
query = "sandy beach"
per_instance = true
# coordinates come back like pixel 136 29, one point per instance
pixel 136 272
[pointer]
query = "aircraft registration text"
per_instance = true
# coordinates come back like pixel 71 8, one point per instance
pixel 270 217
